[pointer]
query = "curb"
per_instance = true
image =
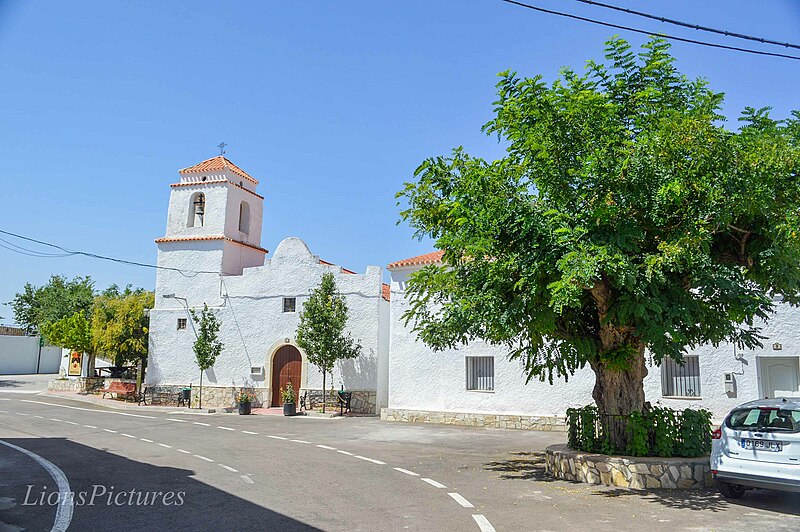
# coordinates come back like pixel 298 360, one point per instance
pixel 119 405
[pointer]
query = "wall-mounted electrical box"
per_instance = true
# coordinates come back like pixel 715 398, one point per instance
pixel 730 383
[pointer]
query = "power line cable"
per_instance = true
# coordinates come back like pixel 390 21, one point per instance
pixel 644 32
pixel 185 273
pixel 698 27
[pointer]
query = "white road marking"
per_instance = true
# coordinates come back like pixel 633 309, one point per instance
pixel 433 483
pixel 20 414
pixel 72 423
pixel 483 523
pixel 250 432
pixel 165 445
pixel 177 420
pixel 199 423
pixel 229 468
pixel 109 430
pixel 126 435
pixel 370 460
pixel 145 439
pixel 86 409
pixel 4 411
pixel 300 441
pixel 56 420
pixel 461 500
pixel 36 415
pixel 248 479
pixel 90 426
pixel 4 399
pixel 276 437
pixel 183 451
pixel 327 447
pixel 202 458
pixel 344 452
pixel 64 510
pixel 406 471
pixel 225 428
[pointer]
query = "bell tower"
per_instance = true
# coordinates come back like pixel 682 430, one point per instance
pixel 213 225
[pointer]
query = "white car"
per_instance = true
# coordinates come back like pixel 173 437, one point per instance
pixel 758 446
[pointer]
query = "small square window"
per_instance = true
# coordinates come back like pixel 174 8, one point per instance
pixel 681 381
pixel 181 323
pixel 289 304
pixel 480 374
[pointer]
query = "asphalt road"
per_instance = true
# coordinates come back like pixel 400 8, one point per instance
pixel 274 473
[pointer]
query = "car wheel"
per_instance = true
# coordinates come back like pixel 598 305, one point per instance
pixel 730 491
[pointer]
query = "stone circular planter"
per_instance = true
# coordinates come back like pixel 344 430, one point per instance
pixel 627 471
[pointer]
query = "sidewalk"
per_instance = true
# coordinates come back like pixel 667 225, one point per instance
pixel 123 405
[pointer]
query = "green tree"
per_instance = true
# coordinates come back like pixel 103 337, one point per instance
pixel 35 307
pixel 207 347
pixel 623 217
pixel 74 333
pixel 120 324
pixel 321 330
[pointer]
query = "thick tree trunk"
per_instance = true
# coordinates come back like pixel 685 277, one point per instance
pixel 620 391
pixel 619 380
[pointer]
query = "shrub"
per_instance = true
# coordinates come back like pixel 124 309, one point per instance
pixel 657 432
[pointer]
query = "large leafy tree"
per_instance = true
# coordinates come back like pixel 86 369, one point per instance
pixel 321 330
pixel 120 326
pixel 37 306
pixel 625 216
pixel 207 347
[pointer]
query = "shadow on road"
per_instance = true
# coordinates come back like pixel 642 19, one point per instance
pixel 711 500
pixel 531 466
pixel 11 383
pixel 523 466
pixel 204 507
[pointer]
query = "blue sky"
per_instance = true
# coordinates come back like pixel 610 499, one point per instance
pixel 331 105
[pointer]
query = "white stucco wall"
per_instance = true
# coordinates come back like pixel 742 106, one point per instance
pixel 421 379
pixel 19 356
pixel 252 322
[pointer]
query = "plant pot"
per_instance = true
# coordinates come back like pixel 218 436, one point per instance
pixel 289 409
pixel 244 409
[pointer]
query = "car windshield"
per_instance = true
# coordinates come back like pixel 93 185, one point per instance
pixel 765 419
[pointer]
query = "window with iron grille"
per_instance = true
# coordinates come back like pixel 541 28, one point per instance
pixel 480 373
pixel 289 304
pixel 681 381
pixel 181 323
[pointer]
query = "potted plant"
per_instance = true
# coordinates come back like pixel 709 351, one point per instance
pixel 244 400
pixel 288 397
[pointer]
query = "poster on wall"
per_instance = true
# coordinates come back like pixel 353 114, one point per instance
pixel 75 359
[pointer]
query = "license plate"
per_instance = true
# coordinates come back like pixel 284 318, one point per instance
pixel 762 445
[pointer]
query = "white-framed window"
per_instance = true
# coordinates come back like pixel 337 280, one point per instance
pixel 480 373
pixel 289 304
pixel 181 323
pixel 681 380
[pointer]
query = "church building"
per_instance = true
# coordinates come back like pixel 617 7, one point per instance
pixel 211 254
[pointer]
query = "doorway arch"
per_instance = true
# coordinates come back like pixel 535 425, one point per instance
pixel 287 366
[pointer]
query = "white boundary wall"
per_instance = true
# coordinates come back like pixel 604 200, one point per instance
pixel 19 356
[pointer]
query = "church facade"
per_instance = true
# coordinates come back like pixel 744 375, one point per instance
pixel 211 255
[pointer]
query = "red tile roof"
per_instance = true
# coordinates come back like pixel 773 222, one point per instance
pixel 217 163
pixel 386 292
pixel 428 258
pixel 210 237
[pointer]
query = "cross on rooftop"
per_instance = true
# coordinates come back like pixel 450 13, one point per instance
pixel 221 147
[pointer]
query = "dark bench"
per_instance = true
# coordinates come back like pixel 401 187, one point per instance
pixel 125 390
pixel 344 401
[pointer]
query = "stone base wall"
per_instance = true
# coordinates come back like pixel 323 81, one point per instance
pixel 464 419
pixel 215 396
pixel 627 472
pixel 80 385
pixel 361 402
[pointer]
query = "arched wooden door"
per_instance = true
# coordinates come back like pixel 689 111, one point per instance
pixel 287 365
